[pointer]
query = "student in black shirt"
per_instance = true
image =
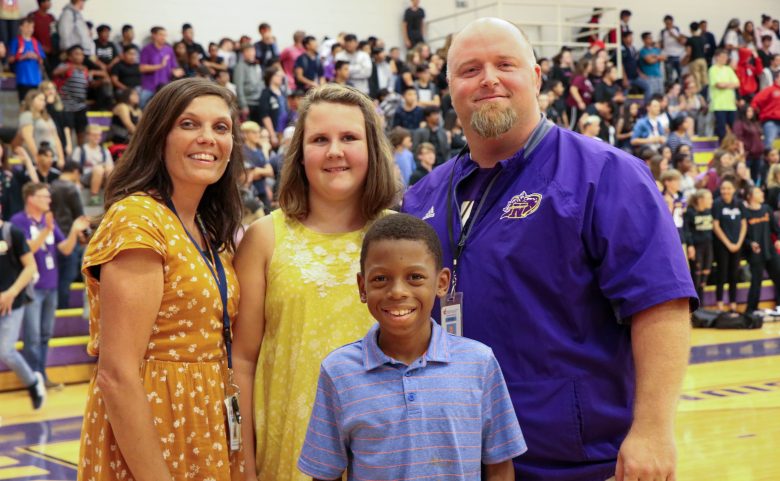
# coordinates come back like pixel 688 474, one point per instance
pixel 730 228
pixel 761 251
pixel 106 52
pixel 127 73
pixel 414 25
pixel 697 230
pixel 17 268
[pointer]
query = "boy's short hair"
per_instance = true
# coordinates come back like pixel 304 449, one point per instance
pixel 250 125
pixel 671 174
pixel 70 166
pixel 350 37
pixel 340 63
pixel 425 147
pixel 103 27
pixel 73 48
pixel 126 27
pixel 430 110
pixel 45 149
pixel 94 129
pixel 397 136
pixel 402 227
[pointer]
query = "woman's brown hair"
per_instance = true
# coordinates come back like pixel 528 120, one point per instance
pixel 26 105
pixel 142 166
pixel 380 189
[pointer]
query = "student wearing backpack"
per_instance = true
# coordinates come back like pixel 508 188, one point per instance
pixel 95 162
pixel 17 269
pixel 27 56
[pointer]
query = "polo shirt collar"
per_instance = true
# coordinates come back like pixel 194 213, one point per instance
pixel 373 357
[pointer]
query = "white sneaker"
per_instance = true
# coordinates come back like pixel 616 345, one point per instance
pixel 38 392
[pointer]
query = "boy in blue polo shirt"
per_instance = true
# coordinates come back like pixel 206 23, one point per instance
pixel 409 401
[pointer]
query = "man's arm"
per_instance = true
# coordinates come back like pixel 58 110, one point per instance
pixel 660 339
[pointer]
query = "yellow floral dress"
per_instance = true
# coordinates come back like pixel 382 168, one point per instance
pixel 183 370
pixel 312 306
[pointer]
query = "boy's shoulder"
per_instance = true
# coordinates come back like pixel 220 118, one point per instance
pixel 466 349
pixel 344 359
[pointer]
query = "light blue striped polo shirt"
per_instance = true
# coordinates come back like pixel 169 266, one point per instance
pixel 439 418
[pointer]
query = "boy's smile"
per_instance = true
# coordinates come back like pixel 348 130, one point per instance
pixel 400 285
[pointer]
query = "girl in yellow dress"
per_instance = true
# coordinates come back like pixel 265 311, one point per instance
pixel 297 269
pixel 156 269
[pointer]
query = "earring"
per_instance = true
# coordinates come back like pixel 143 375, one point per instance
pixel 362 297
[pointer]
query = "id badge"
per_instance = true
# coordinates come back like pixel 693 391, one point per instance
pixel 233 415
pixel 49 262
pixel 233 422
pixel 452 313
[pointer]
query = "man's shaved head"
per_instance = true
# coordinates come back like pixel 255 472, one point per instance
pixel 480 26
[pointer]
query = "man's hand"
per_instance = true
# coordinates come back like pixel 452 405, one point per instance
pixel 647 456
pixel 6 302
pixel 80 224
pixel 49 221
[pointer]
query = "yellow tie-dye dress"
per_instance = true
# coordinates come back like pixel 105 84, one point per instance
pixel 312 306
pixel 184 368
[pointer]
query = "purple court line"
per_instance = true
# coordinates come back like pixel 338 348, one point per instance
pixel 735 350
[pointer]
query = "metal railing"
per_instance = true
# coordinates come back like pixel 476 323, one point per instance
pixel 548 25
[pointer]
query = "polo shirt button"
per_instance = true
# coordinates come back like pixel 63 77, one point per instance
pixel 410 397
pixel 408 373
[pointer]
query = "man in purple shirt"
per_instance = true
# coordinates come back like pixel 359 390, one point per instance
pixel 158 64
pixel 44 239
pixel 570 269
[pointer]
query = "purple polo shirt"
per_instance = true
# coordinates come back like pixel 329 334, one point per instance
pixel 47 268
pixel 572 240
pixel 151 55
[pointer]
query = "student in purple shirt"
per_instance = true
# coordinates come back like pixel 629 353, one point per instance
pixel 570 269
pixel 158 64
pixel 44 239
pixel 409 392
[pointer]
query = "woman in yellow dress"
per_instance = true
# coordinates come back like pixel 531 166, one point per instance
pixel 298 266
pixel 159 278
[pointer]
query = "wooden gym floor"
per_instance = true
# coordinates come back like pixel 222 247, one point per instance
pixel 728 423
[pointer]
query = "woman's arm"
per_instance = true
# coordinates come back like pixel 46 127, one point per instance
pixel 28 139
pixel 25 277
pixel 742 234
pixel 720 234
pixel 131 290
pixel 58 146
pixel 251 264
pixel 123 112
pixel 28 164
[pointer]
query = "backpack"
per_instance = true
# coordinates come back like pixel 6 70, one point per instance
pixel 704 318
pixel 735 320
pixel 83 156
pixel 20 47
pixel 29 290
pixel 61 80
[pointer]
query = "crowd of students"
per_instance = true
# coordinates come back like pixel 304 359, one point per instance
pixel 667 92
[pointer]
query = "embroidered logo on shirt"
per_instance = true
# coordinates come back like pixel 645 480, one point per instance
pixel 521 206
pixel 430 214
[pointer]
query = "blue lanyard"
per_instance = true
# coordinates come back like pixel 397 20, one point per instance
pixel 219 277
